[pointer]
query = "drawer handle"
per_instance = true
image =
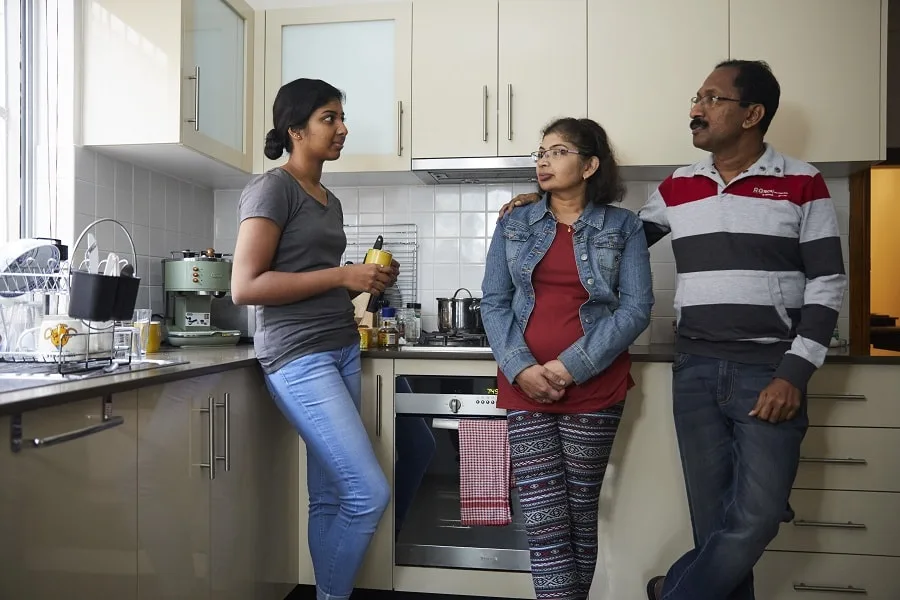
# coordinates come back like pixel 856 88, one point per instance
pixel 829 524
pixel 802 587
pixel 108 421
pixel 835 461
pixel 852 397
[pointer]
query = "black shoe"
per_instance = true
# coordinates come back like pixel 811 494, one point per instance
pixel 651 587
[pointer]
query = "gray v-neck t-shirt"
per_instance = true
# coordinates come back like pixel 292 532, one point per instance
pixel 312 238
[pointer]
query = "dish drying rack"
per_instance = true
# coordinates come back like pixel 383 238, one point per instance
pixel 400 240
pixel 49 283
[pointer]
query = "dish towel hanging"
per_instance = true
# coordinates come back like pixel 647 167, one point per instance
pixel 484 472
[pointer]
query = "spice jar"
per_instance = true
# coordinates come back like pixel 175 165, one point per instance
pixel 388 336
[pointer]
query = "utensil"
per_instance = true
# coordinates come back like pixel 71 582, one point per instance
pixel 92 254
pixel 460 315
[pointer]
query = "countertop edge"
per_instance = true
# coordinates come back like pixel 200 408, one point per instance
pixel 51 395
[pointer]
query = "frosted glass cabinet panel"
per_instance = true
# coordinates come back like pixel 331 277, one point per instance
pixel 364 51
pixel 216 75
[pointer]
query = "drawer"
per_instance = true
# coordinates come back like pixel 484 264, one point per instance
pixel 842 523
pixel 850 458
pixel 802 576
pixel 855 396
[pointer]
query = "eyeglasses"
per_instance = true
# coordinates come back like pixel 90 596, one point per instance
pixel 714 100
pixel 553 153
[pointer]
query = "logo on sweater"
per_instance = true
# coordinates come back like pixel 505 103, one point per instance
pixel 776 194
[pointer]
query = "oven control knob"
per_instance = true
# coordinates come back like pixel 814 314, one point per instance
pixel 455 405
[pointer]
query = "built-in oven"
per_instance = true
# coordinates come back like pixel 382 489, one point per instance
pixel 432 534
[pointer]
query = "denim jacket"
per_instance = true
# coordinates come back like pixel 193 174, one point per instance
pixel 613 264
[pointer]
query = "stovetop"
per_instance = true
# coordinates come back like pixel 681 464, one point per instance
pixel 432 341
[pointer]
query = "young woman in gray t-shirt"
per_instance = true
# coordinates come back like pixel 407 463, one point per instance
pixel 286 262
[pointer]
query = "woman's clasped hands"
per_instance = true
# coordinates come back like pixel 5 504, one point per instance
pixel 546 383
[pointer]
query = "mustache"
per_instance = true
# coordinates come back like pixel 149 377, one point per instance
pixel 697 123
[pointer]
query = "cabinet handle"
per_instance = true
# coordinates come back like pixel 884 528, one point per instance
pixel 227 406
pixel 830 524
pixel 378 405
pixel 196 79
pixel 509 112
pixel 835 461
pixel 802 587
pixel 108 422
pixel 211 432
pixel 400 128
pixel 484 116
pixel 854 397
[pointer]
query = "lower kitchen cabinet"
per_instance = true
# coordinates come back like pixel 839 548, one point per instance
pixel 68 507
pixel 215 515
pixel 377 412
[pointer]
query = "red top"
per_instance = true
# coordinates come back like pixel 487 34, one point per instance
pixel 555 325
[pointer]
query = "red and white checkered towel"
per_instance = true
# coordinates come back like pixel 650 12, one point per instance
pixel 484 473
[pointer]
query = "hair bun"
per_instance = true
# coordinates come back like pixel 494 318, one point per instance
pixel 274 145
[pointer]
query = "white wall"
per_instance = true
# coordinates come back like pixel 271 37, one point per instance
pixel 161 214
pixel 455 224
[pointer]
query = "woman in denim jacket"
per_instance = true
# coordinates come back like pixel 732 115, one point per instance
pixel 566 290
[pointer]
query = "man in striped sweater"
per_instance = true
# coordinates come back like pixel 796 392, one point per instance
pixel 760 283
pixel 759 286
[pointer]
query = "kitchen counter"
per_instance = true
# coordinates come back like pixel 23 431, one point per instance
pixel 195 362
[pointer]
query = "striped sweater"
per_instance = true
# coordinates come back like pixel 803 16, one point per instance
pixel 760 272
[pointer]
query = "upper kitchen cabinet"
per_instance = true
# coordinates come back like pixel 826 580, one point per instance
pixel 829 57
pixel 168 84
pixel 363 50
pixel 489 74
pixel 643 70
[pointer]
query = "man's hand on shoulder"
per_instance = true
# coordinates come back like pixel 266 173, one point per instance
pixel 778 402
pixel 520 200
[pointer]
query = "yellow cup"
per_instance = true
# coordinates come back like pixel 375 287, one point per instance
pixel 151 335
pixel 379 257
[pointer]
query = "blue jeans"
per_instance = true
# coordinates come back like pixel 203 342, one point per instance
pixel 320 395
pixel 738 471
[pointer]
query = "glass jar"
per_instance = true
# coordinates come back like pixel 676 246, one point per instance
pixel 388 335
pixel 412 322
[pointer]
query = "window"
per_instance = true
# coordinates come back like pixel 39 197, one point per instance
pixel 11 69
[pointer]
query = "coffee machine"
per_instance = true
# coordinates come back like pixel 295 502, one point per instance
pixel 191 280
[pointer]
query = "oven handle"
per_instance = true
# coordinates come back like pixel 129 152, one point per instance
pixel 445 423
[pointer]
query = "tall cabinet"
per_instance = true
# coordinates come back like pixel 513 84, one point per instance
pixel 502 68
pixel 364 51
pixel 169 76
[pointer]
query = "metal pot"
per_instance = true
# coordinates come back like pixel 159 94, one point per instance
pixel 460 315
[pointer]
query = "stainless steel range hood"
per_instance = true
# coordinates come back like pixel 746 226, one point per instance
pixel 495 169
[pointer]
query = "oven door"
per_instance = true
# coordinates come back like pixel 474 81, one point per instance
pixel 431 534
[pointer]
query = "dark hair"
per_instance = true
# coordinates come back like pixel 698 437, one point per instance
pixel 756 84
pixel 294 104
pixel 604 186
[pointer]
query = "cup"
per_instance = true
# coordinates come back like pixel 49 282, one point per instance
pixel 59 335
pixel 151 336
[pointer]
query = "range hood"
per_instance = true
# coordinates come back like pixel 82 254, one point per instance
pixel 494 169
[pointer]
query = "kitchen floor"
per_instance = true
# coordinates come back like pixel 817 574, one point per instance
pixel 308 592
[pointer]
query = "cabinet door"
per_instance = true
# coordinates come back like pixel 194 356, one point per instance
pixel 216 58
pixel 234 500
pixel 275 473
pixel 377 408
pixel 362 50
pixel 828 58
pixel 68 507
pixel 174 433
pixel 543 61
pixel 643 69
pixel 454 66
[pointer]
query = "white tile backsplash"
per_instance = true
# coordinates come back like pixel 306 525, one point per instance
pixel 455 225
pixel 153 207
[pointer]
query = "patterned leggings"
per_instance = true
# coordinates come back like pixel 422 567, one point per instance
pixel 559 461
